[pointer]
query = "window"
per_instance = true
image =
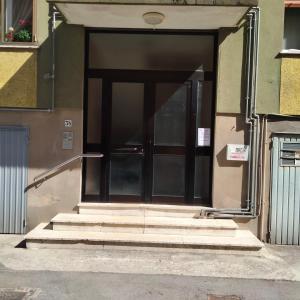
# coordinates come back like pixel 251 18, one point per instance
pixel 17 21
pixel 292 28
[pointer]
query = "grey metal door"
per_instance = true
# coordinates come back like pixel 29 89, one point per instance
pixel 285 190
pixel 13 178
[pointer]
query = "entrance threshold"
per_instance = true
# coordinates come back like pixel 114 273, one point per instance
pixel 140 209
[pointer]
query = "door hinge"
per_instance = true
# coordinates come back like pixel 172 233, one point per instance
pixel 24 223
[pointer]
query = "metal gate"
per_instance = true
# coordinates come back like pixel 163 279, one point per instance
pixel 285 190
pixel 13 179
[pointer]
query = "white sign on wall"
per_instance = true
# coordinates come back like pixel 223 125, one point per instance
pixel 203 137
pixel 237 152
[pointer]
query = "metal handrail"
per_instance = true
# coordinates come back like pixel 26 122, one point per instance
pixel 43 176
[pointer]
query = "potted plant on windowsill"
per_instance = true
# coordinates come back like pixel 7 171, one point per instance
pixel 23 34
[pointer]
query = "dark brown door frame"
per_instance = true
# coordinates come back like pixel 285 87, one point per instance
pixel 135 76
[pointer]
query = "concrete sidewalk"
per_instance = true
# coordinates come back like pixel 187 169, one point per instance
pixel 272 263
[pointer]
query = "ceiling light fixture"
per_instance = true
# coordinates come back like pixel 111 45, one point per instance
pixel 153 18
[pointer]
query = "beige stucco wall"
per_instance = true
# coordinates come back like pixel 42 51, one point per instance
pixel 18 87
pixel 290 87
pixel 62 192
pixel 230 177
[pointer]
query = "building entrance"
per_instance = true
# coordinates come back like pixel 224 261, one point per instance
pixel 154 129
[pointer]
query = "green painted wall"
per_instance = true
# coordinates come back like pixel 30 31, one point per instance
pixel 229 96
pixel 271 37
pixel 69 66
pixel 69 62
pixel 230 69
pixel 44 58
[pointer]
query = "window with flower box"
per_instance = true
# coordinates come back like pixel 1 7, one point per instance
pixel 17 21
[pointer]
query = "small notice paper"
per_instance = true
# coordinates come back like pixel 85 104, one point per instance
pixel 203 137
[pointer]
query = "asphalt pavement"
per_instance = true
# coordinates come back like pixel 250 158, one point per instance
pixel 272 274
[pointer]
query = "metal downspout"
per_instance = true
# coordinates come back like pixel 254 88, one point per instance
pixel 254 117
pixel 52 76
pixel 252 120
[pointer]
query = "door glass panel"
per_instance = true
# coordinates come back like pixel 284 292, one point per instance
pixel 126 174
pixel 127 113
pixel 94 110
pixel 92 179
pixel 151 51
pixel 168 175
pixel 170 114
pixel 204 106
pixel 202 177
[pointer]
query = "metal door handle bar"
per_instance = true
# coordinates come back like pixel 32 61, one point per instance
pixel 127 149
pixel 54 170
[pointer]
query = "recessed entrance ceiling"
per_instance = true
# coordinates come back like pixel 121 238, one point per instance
pixel 131 16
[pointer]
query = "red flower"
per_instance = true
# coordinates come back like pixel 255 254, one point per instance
pixel 23 22
pixel 9 36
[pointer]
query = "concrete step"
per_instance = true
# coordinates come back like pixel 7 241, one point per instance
pixel 144 224
pixel 139 209
pixel 41 237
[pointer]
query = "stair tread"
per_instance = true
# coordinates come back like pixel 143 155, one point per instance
pixel 242 239
pixel 140 206
pixel 144 221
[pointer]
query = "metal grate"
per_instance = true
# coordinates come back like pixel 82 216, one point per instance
pixel 285 191
pixel 13 178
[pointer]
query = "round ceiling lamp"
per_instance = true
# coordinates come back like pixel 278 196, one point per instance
pixel 153 18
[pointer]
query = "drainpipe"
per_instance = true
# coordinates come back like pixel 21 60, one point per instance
pixel 52 75
pixel 252 120
pixel 264 143
pixel 255 116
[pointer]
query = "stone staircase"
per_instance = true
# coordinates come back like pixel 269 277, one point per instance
pixel 105 225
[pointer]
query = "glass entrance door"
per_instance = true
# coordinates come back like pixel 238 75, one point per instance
pixel 150 152
pixel 125 141
pixel 149 137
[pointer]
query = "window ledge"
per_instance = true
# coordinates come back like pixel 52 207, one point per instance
pixel 19 46
pixel 290 52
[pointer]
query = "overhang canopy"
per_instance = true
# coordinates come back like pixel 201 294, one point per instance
pixel 188 14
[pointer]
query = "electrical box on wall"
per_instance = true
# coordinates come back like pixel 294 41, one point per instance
pixel 237 152
pixel 67 140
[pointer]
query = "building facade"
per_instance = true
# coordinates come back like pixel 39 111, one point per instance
pixel 183 98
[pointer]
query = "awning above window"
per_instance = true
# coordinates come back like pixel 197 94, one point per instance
pixel 196 14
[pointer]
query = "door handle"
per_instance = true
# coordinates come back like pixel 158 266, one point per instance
pixel 134 150
pixel 128 149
